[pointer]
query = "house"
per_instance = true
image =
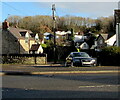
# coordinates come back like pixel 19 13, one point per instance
pixel 36 48
pixel 84 46
pixel 48 36
pixel 111 41
pixel 39 38
pixel 64 35
pixel 79 38
pixel 79 41
pixel 16 40
pixel 100 41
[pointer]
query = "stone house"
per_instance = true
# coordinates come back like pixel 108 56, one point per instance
pixel 16 40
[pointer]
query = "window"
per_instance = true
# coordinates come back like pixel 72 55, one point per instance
pixel 26 40
pixel 101 42
pixel 16 40
pixel 23 33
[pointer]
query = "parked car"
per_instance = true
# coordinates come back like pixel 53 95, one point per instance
pixel 80 59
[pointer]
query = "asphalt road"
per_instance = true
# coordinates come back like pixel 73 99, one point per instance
pixel 104 85
pixel 55 67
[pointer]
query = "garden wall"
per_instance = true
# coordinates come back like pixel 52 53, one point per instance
pixel 24 58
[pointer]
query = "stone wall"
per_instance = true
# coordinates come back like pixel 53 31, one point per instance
pixel 25 59
pixel 10 43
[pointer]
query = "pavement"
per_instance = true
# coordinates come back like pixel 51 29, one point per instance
pixel 20 69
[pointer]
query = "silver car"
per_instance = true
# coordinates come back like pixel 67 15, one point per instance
pixel 80 59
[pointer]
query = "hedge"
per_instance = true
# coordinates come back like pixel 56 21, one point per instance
pixel 61 52
pixel 110 56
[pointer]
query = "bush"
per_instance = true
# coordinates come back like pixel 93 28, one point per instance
pixel 110 56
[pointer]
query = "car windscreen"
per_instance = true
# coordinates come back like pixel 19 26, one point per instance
pixel 80 55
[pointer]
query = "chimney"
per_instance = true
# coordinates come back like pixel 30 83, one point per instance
pixel 5 25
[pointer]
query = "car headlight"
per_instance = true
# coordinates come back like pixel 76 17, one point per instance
pixel 93 60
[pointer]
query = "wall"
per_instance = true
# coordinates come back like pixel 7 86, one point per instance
pixel 35 60
pixel 25 45
pixel 10 44
pixel 25 59
pixel 100 43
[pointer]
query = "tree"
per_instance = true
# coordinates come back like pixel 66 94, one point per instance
pixel 14 20
pixel 41 24
pixel 99 24
pixel 90 39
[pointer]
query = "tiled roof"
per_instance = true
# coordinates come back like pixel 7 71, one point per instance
pixel 16 32
pixel 34 47
pixel 105 36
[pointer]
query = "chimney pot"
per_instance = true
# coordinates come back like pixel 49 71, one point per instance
pixel 5 25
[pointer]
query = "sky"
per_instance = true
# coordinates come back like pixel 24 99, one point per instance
pixel 33 8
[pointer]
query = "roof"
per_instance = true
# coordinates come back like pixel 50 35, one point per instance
pixel 110 34
pixel 47 33
pixel 19 33
pixel 84 46
pixel 34 47
pixel 79 38
pixel 111 41
pixel 104 36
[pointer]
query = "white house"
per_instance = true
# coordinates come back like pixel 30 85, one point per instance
pixel 79 38
pixel 84 46
pixel 111 41
pixel 60 33
pixel 36 48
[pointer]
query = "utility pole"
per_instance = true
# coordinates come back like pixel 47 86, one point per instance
pixel 54 22
pixel 118 34
pixel 117 24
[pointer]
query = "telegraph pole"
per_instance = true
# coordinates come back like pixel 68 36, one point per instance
pixel 117 23
pixel 53 14
pixel 118 34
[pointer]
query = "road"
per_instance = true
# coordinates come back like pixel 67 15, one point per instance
pixel 97 85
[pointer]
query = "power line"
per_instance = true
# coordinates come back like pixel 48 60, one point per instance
pixel 14 8
pixel 23 12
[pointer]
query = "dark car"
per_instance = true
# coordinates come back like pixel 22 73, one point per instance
pixel 80 59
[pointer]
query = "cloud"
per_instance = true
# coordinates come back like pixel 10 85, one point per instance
pixel 88 9
pixel 93 9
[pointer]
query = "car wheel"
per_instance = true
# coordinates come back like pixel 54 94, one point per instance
pixel 94 65
pixel 72 64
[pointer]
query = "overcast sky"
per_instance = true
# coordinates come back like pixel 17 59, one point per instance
pixel 82 9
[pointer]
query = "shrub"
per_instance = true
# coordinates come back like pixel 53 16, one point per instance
pixel 110 55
